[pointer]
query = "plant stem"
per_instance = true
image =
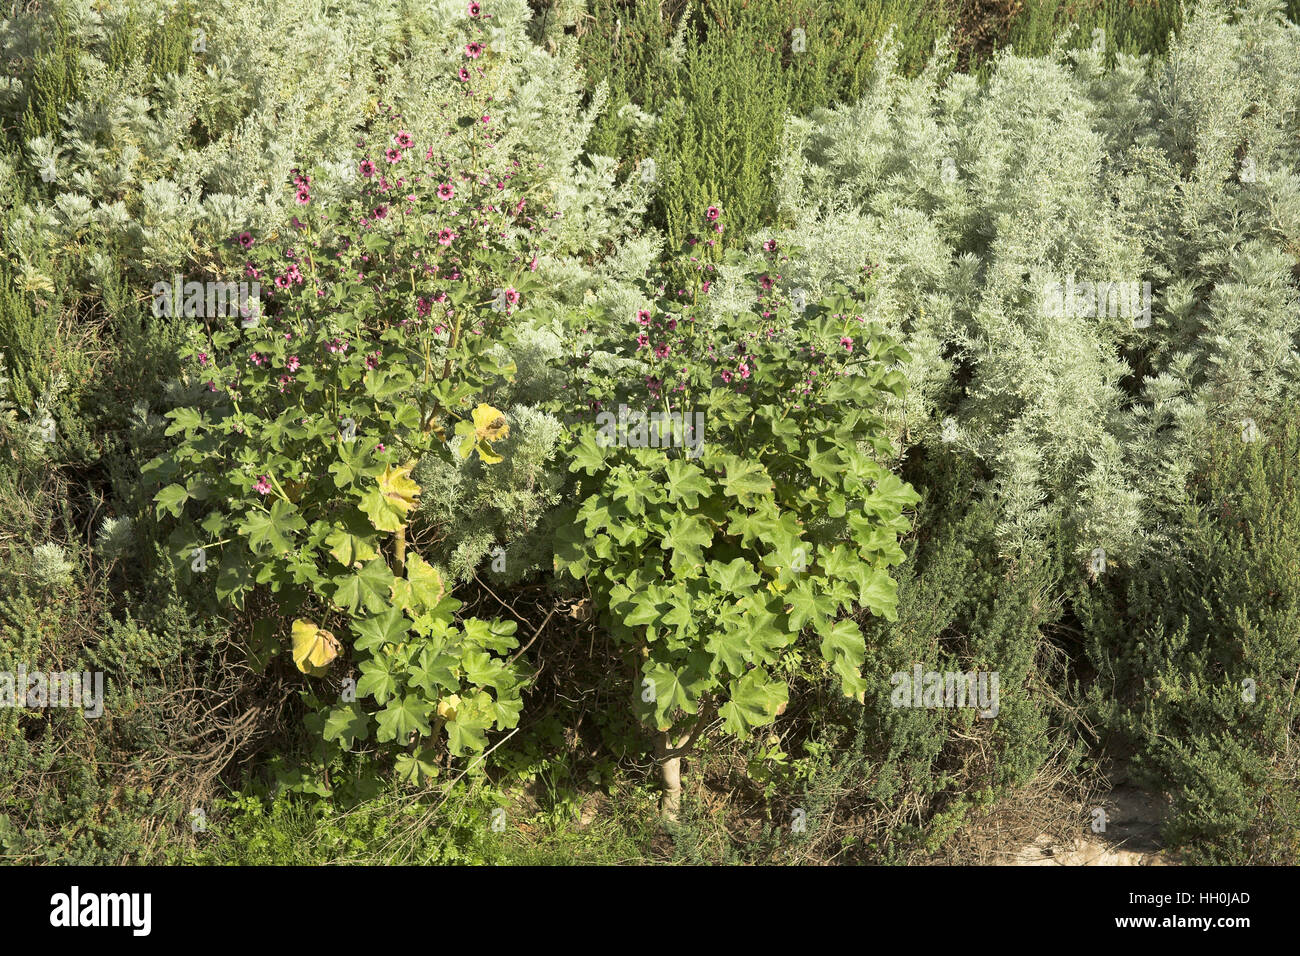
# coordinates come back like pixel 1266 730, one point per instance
pixel 670 774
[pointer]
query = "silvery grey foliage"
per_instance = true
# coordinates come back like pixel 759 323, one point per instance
pixel 113 539
pixel 293 84
pixel 1182 174
pixel 50 565
pixel 29 432
pixel 476 507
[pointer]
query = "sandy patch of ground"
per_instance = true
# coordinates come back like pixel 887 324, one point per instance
pixel 1131 836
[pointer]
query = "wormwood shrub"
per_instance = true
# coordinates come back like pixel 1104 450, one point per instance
pixel 291 475
pixel 183 131
pixel 976 196
pixel 1197 654
pixel 772 515
pixel 46 45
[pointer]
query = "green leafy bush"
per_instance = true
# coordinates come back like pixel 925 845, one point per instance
pixel 369 356
pixel 752 506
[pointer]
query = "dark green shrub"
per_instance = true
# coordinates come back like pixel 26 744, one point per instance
pixel 55 76
pixel 721 76
pixel 163 47
pixel 717 137
pixel 1197 654
pixel 1129 27
pixel 962 607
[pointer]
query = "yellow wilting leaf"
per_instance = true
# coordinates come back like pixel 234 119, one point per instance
pixel 435 426
pixel 313 649
pixel 486 424
pixel 490 424
pixel 398 489
pixel 447 707
pixel 394 494
pixel 421 589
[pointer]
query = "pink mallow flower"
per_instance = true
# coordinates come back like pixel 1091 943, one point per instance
pixel 263 486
